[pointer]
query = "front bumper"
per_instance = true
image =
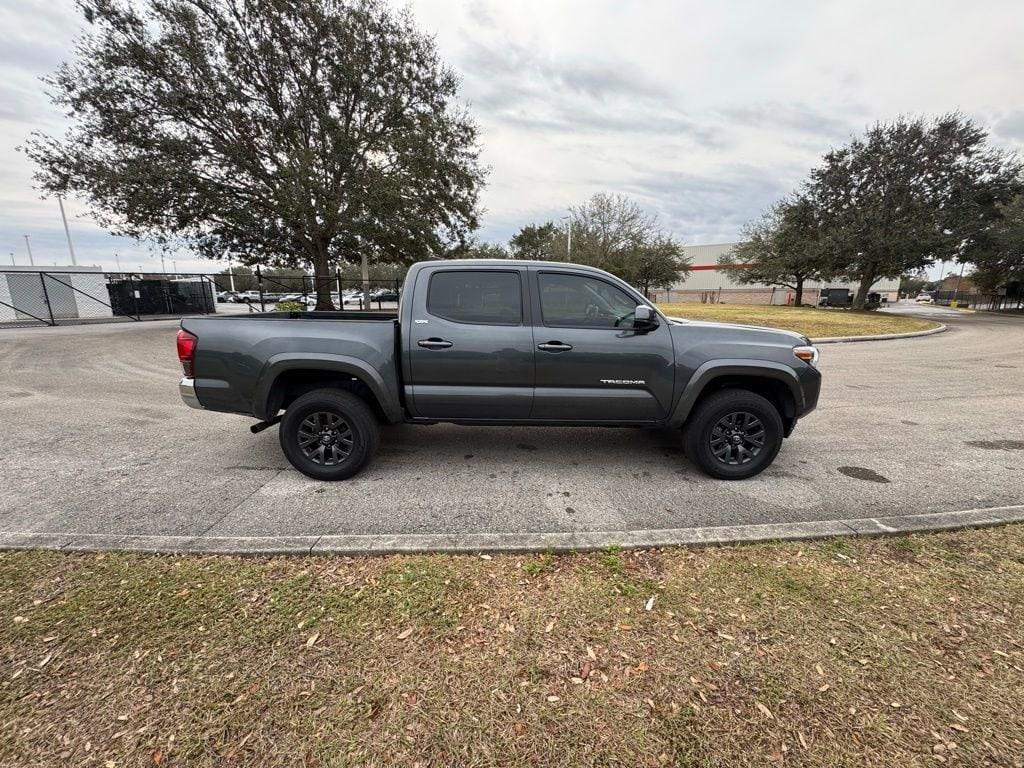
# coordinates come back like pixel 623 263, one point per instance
pixel 187 390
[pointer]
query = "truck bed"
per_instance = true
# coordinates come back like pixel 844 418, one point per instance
pixel 238 357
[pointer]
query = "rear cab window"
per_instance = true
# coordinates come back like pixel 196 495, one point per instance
pixel 477 297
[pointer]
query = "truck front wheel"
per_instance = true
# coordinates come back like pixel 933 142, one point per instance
pixel 733 434
pixel 329 434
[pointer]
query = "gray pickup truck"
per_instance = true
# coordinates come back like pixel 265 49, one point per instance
pixel 502 343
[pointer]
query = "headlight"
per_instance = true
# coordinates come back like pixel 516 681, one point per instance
pixel 808 354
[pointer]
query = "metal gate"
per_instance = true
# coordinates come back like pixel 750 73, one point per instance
pixel 42 297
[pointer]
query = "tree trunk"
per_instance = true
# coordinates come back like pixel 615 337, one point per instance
pixel 866 281
pixel 322 280
pixel 798 299
pixel 364 263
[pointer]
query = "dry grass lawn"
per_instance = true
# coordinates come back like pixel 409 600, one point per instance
pixel 881 652
pixel 811 322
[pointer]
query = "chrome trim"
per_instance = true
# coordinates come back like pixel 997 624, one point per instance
pixel 187 390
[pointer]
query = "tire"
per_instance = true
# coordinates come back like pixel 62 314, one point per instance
pixel 334 415
pixel 721 436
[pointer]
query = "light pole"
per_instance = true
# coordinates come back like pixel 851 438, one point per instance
pixel 117 260
pixel 174 266
pixel 12 258
pixel 67 232
pixel 28 247
pixel 568 237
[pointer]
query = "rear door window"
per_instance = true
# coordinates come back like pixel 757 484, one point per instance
pixel 480 297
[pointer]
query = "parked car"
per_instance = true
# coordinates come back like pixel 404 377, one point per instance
pixel 225 297
pixel 495 342
pixel 248 297
pixel 925 298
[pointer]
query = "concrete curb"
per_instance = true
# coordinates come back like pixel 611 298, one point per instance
pixel 882 337
pixel 511 542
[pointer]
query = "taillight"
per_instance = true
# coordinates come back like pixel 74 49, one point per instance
pixel 187 351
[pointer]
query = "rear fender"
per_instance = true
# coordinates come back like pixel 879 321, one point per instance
pixel 340 364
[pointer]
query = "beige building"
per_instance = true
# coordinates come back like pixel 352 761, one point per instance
pixel 708 282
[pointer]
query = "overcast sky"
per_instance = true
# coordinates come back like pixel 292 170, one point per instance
pixel 704 112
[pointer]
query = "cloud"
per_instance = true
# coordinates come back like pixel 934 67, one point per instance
pixel 706 114
pixel 703 208
pixel 1011 126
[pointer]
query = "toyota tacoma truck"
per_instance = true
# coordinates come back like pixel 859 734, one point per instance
pixel 499 342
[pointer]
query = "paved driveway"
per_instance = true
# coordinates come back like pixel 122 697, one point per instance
pixel 95 441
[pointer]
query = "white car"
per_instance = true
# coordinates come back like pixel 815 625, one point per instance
pixel 924 298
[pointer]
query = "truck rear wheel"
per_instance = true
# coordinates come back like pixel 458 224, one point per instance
pixel 733 434
pixel 329 434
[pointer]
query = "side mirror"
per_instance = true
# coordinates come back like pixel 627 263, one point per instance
pixel 644 319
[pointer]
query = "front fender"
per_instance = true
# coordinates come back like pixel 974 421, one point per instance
pixel 341 364
pixel 715 369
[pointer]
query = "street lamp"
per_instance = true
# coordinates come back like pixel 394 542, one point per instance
pixel 568 240
pixel 28 247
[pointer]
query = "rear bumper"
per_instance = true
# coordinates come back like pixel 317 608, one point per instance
pixel 187 390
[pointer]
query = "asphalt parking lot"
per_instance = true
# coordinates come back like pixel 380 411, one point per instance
pixel 97 443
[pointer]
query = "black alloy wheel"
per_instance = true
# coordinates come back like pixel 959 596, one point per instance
pixel 737 438
pixel 329 434
pixel 733 434
pixel 325 438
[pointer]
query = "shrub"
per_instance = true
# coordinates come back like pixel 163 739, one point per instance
pixel 289 306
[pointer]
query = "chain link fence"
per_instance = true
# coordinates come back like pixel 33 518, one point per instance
pixel 74 297
pixel 1013 299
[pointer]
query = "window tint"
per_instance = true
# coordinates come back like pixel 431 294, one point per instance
pixel 485 297
pixel 584 302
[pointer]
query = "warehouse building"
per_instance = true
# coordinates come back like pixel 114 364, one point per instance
pixel 710 283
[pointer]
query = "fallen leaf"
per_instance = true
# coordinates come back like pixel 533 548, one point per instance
pixel 553 699
pixel 312 639
pixel 764 710
pixel 405 633
pixel 550 626
pixel 649 604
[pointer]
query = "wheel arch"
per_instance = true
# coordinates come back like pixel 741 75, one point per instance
pixel 774 381
pixel 286 378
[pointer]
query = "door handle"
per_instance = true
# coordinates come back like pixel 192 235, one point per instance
pixel 554 346
pixel 434 343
